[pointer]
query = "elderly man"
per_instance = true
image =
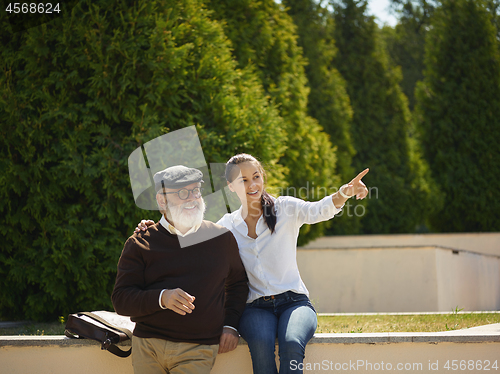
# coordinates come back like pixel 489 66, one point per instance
pixel 186 300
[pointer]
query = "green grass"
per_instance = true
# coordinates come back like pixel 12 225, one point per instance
pixel 35 328
pixel 335 324
pixel 404 323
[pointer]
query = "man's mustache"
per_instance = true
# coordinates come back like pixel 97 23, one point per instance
pixel 191 203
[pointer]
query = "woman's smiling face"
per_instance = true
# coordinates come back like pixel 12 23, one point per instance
pixel 249 184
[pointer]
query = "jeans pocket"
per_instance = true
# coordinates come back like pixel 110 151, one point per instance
pixel 303 299
pixel 298 297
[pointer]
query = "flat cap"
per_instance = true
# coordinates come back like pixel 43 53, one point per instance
pixel 177 177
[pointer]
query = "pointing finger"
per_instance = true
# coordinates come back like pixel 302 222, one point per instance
pixel 360 175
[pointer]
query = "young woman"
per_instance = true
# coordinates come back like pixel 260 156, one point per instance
pixel 266 229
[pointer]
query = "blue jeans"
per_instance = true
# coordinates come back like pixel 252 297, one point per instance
pixel 290 317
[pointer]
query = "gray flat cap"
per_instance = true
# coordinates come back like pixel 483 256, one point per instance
pixel 177 177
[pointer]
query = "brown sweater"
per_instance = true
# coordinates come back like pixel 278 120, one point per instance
pixel 211 271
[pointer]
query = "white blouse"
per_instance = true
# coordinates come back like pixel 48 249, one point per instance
pixel 271 259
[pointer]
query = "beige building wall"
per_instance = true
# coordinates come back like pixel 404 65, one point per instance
pixel 467 280
pixel 405 279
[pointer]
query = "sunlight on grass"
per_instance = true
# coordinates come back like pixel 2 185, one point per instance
pixel 403 323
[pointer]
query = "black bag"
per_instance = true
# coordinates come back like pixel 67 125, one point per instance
pixel 92 326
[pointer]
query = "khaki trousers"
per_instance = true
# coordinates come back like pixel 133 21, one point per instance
pixel 158 356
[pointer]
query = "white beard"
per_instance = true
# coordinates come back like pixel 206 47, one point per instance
pixel 180 218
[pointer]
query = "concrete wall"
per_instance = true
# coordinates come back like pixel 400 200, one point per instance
pixel 405 279
pixel 326 353
pixel 321 358
pixel 405 357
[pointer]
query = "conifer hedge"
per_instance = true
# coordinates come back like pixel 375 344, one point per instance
pixel 77 96
pixel 264 38
pixel 402 193
pixel 328 101
pixel 458 106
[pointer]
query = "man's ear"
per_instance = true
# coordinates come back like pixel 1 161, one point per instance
pixel 161 200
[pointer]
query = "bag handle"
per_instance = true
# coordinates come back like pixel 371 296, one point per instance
pixel 116 350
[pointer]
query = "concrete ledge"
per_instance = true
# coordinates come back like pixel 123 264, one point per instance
pixel 480 334
pixel 487 333
pixel 326 353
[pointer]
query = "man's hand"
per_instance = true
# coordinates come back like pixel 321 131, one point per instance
pixel 178 300
pixel 143 225
pixel 228 340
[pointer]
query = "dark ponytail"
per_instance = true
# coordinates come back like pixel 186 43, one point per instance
pixel 266 200
pixel 268 210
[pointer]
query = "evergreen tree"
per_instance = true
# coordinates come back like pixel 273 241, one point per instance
pixel 77 96
pixel 493 7
pixel 328 101
pixel 400 194
pixel 264 37
pixel 406 42
pixel 458 106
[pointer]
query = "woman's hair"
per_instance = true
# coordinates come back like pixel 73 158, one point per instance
pixel 266 201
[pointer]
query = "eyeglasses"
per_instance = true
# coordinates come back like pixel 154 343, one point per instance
pixel 184 193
